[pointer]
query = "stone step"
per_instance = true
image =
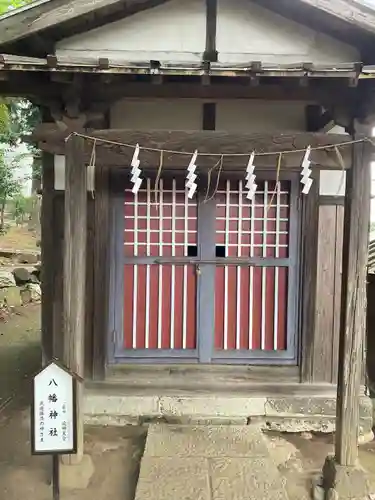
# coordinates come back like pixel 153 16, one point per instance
pixel 208 463
pixel 119 404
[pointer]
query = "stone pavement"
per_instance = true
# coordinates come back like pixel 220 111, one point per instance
pixel 208 463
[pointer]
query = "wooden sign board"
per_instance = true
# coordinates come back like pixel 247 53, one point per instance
pixel 53 411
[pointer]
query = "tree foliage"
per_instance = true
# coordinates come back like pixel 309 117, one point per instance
pixel 18 117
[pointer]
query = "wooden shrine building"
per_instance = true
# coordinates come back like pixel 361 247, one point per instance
pixel 166 304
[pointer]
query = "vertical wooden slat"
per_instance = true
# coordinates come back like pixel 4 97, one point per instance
pixel 324 302
pixel 264 269
pixel 148 253
pixel 58 281
pixel 90 290
pixel 48 256
pixel 337 290
pixel 353 305
pixel 75 270
pixel 309 223
pixel 101 270
pixel 160 280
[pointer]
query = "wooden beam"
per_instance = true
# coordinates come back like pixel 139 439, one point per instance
pixel 353 303
pixel 101 274
pixel 75 271
pixel 328 92
pixel 210 54
pixel 352 12
pixel 205 142
pixel 47 15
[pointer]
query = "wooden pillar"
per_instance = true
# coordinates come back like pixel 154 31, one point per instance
pixel 101 271
pixel 75 219
pixel 48 255
pixel 353 301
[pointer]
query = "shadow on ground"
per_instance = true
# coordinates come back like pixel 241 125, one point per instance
pixel 116 452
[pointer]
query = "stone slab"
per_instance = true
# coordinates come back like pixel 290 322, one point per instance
pixel 212 406
pixel 240 479
pixel 315 423
pixel 311 406
pixel 205 441
pixel 131 406
pixel 173 478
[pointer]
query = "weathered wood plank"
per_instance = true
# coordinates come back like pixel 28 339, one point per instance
pixel 353 305
pixel 210 53
pixel 101 271
pixel 309 224
pixel 75 271
pixel 89 310
pixel 48 255
pixel 58 313
pixel 337 291
pixel 215 142
pixel 47 15
pixel 351 12
pixel 324 309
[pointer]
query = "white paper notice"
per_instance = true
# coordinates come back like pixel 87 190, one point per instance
pixel 53 411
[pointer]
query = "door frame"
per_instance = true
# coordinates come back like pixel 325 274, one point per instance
pixel 205 302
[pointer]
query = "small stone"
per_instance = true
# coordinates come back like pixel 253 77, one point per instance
pixel 25 295
pixel 13 297
pixel 318 493
pixel 35 290
pixel 34 278
pixel 21 275
pixel 6 279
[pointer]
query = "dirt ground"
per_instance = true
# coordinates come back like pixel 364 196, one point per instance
pixel 116 452
pixel 19 237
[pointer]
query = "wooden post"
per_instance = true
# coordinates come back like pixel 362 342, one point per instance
pixel 75 271
pixel 353 301
pixel 47 255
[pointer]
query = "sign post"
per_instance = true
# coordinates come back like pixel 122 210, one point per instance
pixel 53 416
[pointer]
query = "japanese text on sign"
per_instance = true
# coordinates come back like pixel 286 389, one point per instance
pixel 53 411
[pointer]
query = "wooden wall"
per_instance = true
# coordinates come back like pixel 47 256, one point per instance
pixel 321 287
pixel 328 293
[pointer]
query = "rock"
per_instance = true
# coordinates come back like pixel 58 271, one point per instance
pixel 35 290
pixel 34 278
pixel 317 490
pixel 332 494
pixel 37 271
pixel 25 295
pixel 13 296
pixel 28 258
pixel 21 276
pixel 6 279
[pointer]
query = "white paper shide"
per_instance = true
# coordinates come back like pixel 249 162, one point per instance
pixel 53 410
